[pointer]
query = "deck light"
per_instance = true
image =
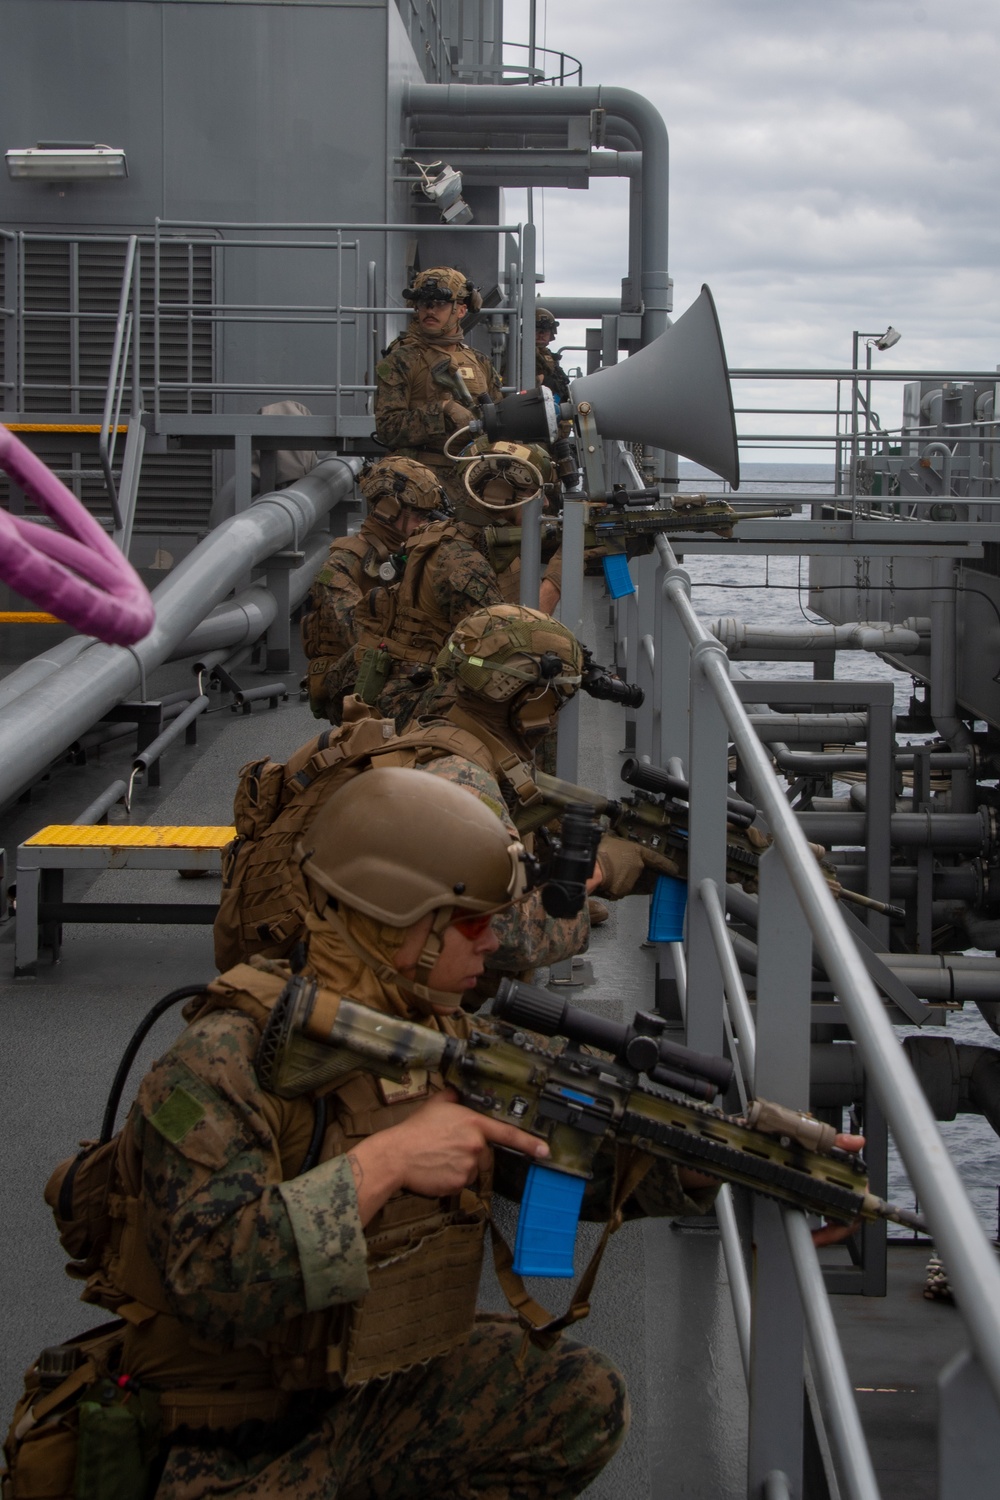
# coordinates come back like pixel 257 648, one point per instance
pixel 67 161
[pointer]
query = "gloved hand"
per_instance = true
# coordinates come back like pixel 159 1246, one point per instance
pixel 630 869
pixel 458 414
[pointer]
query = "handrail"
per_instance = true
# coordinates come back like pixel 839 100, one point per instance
pixel 114 395
pixel 972 1266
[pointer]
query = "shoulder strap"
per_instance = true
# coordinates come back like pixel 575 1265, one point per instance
pixel 507 764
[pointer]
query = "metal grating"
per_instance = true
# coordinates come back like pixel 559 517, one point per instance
pixel 71 294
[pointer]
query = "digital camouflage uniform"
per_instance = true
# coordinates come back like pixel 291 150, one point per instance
pixel 391 487
pixel 254 1265
pixel 410 415
pixel 350 573
pixel 446 578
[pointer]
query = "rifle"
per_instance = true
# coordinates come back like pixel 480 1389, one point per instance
pixel 576 1101
pixel 615 530
pixel 656 816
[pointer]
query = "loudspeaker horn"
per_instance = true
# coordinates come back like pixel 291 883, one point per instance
pixel 674 394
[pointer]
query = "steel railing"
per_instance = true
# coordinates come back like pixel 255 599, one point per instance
pixel 669 651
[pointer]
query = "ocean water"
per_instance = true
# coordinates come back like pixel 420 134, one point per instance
pixel 774 591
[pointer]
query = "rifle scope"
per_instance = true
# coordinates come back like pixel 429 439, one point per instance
pixel 664 784
pixel 640 1046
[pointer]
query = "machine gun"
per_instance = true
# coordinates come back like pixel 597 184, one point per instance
pixel 576 1101
pixel 656 816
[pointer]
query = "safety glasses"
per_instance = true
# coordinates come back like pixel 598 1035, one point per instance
pixel 472 927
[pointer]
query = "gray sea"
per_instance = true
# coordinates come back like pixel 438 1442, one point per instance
pixel 775 591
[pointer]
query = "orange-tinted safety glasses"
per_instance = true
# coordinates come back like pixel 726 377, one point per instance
pixel 472 926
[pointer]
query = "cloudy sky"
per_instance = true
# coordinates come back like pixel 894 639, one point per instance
pixel 833 167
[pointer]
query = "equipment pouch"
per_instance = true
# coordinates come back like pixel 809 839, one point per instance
pixel 373 674
pixel 77 1433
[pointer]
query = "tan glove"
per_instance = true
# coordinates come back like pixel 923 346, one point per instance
pixel 630 869
pixel 457 413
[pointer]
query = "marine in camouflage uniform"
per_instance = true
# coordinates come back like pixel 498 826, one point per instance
pixel 548 365
pixel 402 496
pixel 418 402
pixel 450 571
pixel 300 1288
pixel 480 735
pixel 447 576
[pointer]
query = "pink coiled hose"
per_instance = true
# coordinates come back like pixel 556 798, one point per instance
pixel 76 573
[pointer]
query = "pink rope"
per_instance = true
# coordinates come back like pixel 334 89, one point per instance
pixel 77 572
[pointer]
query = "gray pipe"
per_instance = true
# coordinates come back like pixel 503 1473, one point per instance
pixel 42 666
pixel 970 831
pixel 737 635
pixel 51 715
pixel 244 619
pixel 943 690
pixel 457 99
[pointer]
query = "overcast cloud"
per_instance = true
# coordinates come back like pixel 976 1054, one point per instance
pixel 833 167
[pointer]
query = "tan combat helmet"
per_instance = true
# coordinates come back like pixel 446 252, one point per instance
pixel 390 483
pixel 443 284
pixel 396 844
pixel 545 322
pixel 503 475
pixel 508 649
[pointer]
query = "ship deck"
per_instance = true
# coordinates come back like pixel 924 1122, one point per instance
pixel 661 1308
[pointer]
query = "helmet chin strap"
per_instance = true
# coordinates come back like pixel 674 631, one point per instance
pixel 424 998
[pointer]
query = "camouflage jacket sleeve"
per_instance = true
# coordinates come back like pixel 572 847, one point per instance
pixel 529 937
pixel 328 624
pixel 239 1249
pixel 462 580
pixel 401 421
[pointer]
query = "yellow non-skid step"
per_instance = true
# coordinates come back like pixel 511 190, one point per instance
pixel 27 617
pixel 130 836
pixel 58 427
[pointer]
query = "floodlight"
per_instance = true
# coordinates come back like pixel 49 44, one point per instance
pixel 888 338
pixel 66 161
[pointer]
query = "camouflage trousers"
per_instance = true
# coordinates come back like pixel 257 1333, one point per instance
pixel 469 1426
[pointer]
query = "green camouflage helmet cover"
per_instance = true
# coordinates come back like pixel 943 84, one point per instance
pixel 390 483
pixel 500 651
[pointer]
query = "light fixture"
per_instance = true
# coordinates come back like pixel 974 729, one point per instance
pixel 443 186
pixel 888 338
pixel 67 161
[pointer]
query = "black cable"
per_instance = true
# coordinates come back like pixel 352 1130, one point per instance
pixel 138 1037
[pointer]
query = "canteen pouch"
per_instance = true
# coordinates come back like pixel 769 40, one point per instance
pixel 373 674
pixel 76 1433
pixel 119 1437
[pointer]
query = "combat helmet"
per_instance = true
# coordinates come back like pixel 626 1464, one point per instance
pixel 394 845
pixel 504 475
pixel 507 649
pixel 390 483
pixel 545 321
pixel 442 284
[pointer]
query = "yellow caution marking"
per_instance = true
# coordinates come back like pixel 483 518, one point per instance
pixel 131 836
pixel 28 617
pixel 58 427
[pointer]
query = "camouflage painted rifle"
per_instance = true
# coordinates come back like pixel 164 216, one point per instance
pixel 656 816
pixel 631 532
pixel 575 1100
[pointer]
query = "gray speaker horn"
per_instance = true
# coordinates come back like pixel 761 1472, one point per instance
pixel 674 394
